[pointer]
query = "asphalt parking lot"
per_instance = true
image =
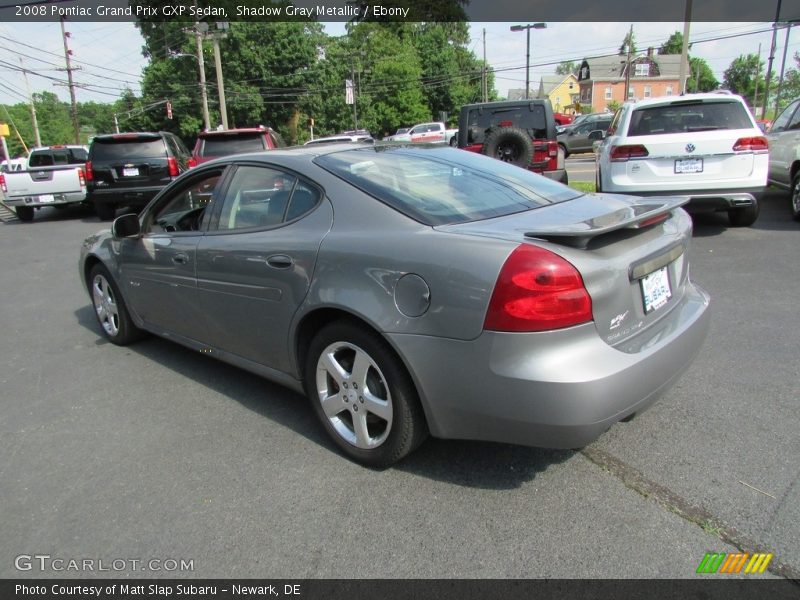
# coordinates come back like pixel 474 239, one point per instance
pixel 157 452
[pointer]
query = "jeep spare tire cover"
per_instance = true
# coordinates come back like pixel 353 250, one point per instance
pixel 509 144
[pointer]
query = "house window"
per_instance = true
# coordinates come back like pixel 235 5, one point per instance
pixel 642 69
pixel 630 93
pixel 571 84
pixel 585 73
pixel 608 93
pixel 648 91
pixel 669 91
pixel 558 100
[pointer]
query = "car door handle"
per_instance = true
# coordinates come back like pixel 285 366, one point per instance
pixel 280 261
pixel 180 258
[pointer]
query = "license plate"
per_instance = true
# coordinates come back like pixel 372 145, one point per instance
pixel 689 165
pixel 130 172
pixel 655 290
pixel 47 198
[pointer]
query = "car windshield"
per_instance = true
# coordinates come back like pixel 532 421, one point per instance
pixel 62 156
pixel 689 115
pixel 442 186
pixel 128 148
pixel 224 145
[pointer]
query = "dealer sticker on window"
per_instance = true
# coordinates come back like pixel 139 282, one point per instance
pixel 655 289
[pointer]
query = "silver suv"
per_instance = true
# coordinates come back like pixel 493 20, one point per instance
pixel 784 154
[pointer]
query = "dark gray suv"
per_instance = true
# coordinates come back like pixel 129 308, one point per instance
pixel 576 139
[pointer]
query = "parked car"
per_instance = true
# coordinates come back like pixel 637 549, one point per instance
pixel 582 119
pixel 576 139
pixel 342 139
pixel 213 144
pixel 519 132
pixel 563 119
pixel 129 169
pixel 705 146
pixel 451 294
pixel 55 176
pixel 784 154
pixel 427 133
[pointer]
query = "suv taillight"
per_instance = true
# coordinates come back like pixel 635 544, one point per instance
pixel 3 185
pixel 623 153
pixel 751 144
pixel 172 165
pixel 192 162
pixel 552 153
pixel 537 290
pixel 88 169
pixel 82 177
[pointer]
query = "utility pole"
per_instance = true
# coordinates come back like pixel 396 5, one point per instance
pixel 33 107
pixel 216 37
pixel 355 101
pixel 527 28
pixel 783 67
pixel 755 93
pixel 697 79
pixel 116 123
pixel 687 18
pixel 67 54
pixel 769 59
pixel 485 78
pixel 201 69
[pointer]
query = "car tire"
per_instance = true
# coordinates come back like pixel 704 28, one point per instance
pixel 598 182
pixel 24 213
pixel 454 141
pixel 743 217
pixel 105 211
pixel 110 308
pixel 509 144
pixel 795 198
pixel 351 369
pixel 564 148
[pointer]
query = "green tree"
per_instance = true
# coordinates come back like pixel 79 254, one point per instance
pixel 707 82
pixel 741 76
pixel 628 41
pixel 791 84
pixel 568 67
pixel 673 45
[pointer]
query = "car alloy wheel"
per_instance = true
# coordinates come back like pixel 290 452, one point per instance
pixel 354 395
pixel 796 197
pixel 105 305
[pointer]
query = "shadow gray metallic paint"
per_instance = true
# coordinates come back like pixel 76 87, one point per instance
pixel 557 388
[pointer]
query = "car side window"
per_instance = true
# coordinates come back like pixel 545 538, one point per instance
pixel 264 197
pixel 183 210
pixel 794 124
pixel 783 119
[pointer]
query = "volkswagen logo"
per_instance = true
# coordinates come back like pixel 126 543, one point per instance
pixel 690 148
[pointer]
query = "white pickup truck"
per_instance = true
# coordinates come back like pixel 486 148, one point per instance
pixel 55 176
pixel 428 132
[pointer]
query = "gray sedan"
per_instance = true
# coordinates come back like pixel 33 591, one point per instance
pixel 412 291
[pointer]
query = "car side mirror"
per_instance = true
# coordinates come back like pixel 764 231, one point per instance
pixel 597 134
pixel 126 226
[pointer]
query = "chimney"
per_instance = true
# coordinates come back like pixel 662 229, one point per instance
pixel 650 52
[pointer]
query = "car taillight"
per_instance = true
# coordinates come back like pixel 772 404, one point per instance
pixel 172 164
pixel 623 153
pixel 3 185
pixel 192 162
pixel 537 290
pixel 82 177
pixel 751 144
pixel 88 169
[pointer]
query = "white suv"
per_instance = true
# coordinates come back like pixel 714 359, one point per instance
pixel 706 146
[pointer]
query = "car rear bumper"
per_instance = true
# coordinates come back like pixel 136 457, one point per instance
pixel 37 200
pixel 710 200
pixel 558 389
pixel 138 196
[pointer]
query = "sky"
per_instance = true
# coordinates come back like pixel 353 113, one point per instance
pixel 109 54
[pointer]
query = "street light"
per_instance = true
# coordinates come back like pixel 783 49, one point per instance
pixel 527 28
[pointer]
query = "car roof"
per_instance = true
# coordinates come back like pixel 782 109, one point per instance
pixel 132 135
pixel 224 132
pixel 667 100
pixel 506 103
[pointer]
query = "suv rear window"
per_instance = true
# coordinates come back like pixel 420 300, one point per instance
pixel 688 115
pixel 122 148
pixel 61 156
pixel 443 186
pixel 224 145
pixel 525 117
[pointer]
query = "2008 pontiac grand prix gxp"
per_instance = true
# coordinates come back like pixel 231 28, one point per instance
pixel 412 290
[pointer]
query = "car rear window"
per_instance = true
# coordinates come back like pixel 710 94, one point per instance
pixel 123 148
pixel 689 115
pixel 440 186
pixel 531 118
pixel 225 145
pixel 53 157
